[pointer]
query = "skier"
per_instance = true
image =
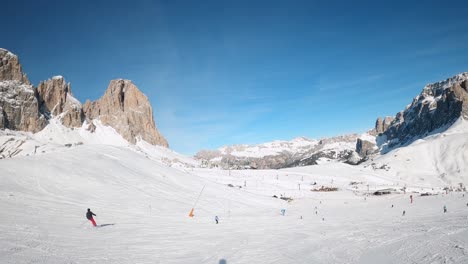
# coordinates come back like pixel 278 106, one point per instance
pixel 89 215
pixel 404 212
pixel 283 211
pixel 445 209
pixel 392 205
pixel 411 198
pixel 216 219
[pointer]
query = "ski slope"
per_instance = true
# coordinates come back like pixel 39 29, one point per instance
pixel 440 159
pixel 142 205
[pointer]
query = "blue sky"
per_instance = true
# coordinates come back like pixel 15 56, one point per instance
pixel 232 72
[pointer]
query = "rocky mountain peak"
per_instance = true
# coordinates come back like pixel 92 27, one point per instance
pixel 438 105
pixel 56 99
pixel 381 125
pixel 10 68
pixel 125 108
pixel 436 89
pixel 18 102
pixel 22 107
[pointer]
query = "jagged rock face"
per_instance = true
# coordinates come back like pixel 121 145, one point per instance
pixel 125 108
pixel 56 99
pixel 383 125
pixel 19 107
pixel 10 68
pixel 24 108
pixel 18 103
pixel 364 148
pixel 439 105
pixel 2 119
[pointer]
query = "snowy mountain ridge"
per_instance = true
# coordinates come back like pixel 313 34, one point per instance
pixel 300 151
pixel 437 107
pixel 434 110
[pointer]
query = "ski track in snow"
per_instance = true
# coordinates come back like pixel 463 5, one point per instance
pixel 142 206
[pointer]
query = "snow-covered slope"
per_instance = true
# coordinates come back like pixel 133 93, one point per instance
pixel 56 138
pixel 142 208
pixel 438 159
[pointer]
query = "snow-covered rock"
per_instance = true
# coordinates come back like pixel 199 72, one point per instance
pixel 438 106
pixel 56 99
pixel 125 108
pixel 18 103
pixel 19 107
pixel 10 68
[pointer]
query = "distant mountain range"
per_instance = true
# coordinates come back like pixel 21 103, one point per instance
pixel 435 109
pixel 50 114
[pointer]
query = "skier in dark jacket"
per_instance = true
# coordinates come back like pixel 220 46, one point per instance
pixel 89 216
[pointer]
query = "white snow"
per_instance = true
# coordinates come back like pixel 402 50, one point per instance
pixel 9 53
pixel 57 138
pixel 367 137
pixel 73 101
pixel 297 145
pixel 438 160
pixel 142 196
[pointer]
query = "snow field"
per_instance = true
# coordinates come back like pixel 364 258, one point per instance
pixel 143 206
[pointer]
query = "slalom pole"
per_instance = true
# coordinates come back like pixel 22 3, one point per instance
pixel 195 204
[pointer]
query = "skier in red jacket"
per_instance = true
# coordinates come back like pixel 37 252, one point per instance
pixel 89 215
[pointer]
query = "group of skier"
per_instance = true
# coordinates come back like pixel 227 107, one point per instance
pixel 411 201
pixel 90 214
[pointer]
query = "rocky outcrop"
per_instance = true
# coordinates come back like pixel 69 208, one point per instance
pixel 437 106
pixel 10 68
pixel 125 108
pixel 19 107
pixel 382 125
pixel 56 99
pixel 364 148
pixel 18 102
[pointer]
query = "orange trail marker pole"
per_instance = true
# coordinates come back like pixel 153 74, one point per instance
pixel 193 208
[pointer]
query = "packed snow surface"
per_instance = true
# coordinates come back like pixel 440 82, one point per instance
pixel 142 208
pixel 441 158
pixel 142 196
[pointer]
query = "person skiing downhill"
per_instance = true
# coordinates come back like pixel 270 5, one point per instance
pixel 216 219
pixel 89 216
pixel 445 209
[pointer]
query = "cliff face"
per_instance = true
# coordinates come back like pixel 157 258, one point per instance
pixel 125 108
pixel 10 68
pixel 437 106
pixel 22 107
pixel 18 100
pixel 56 99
